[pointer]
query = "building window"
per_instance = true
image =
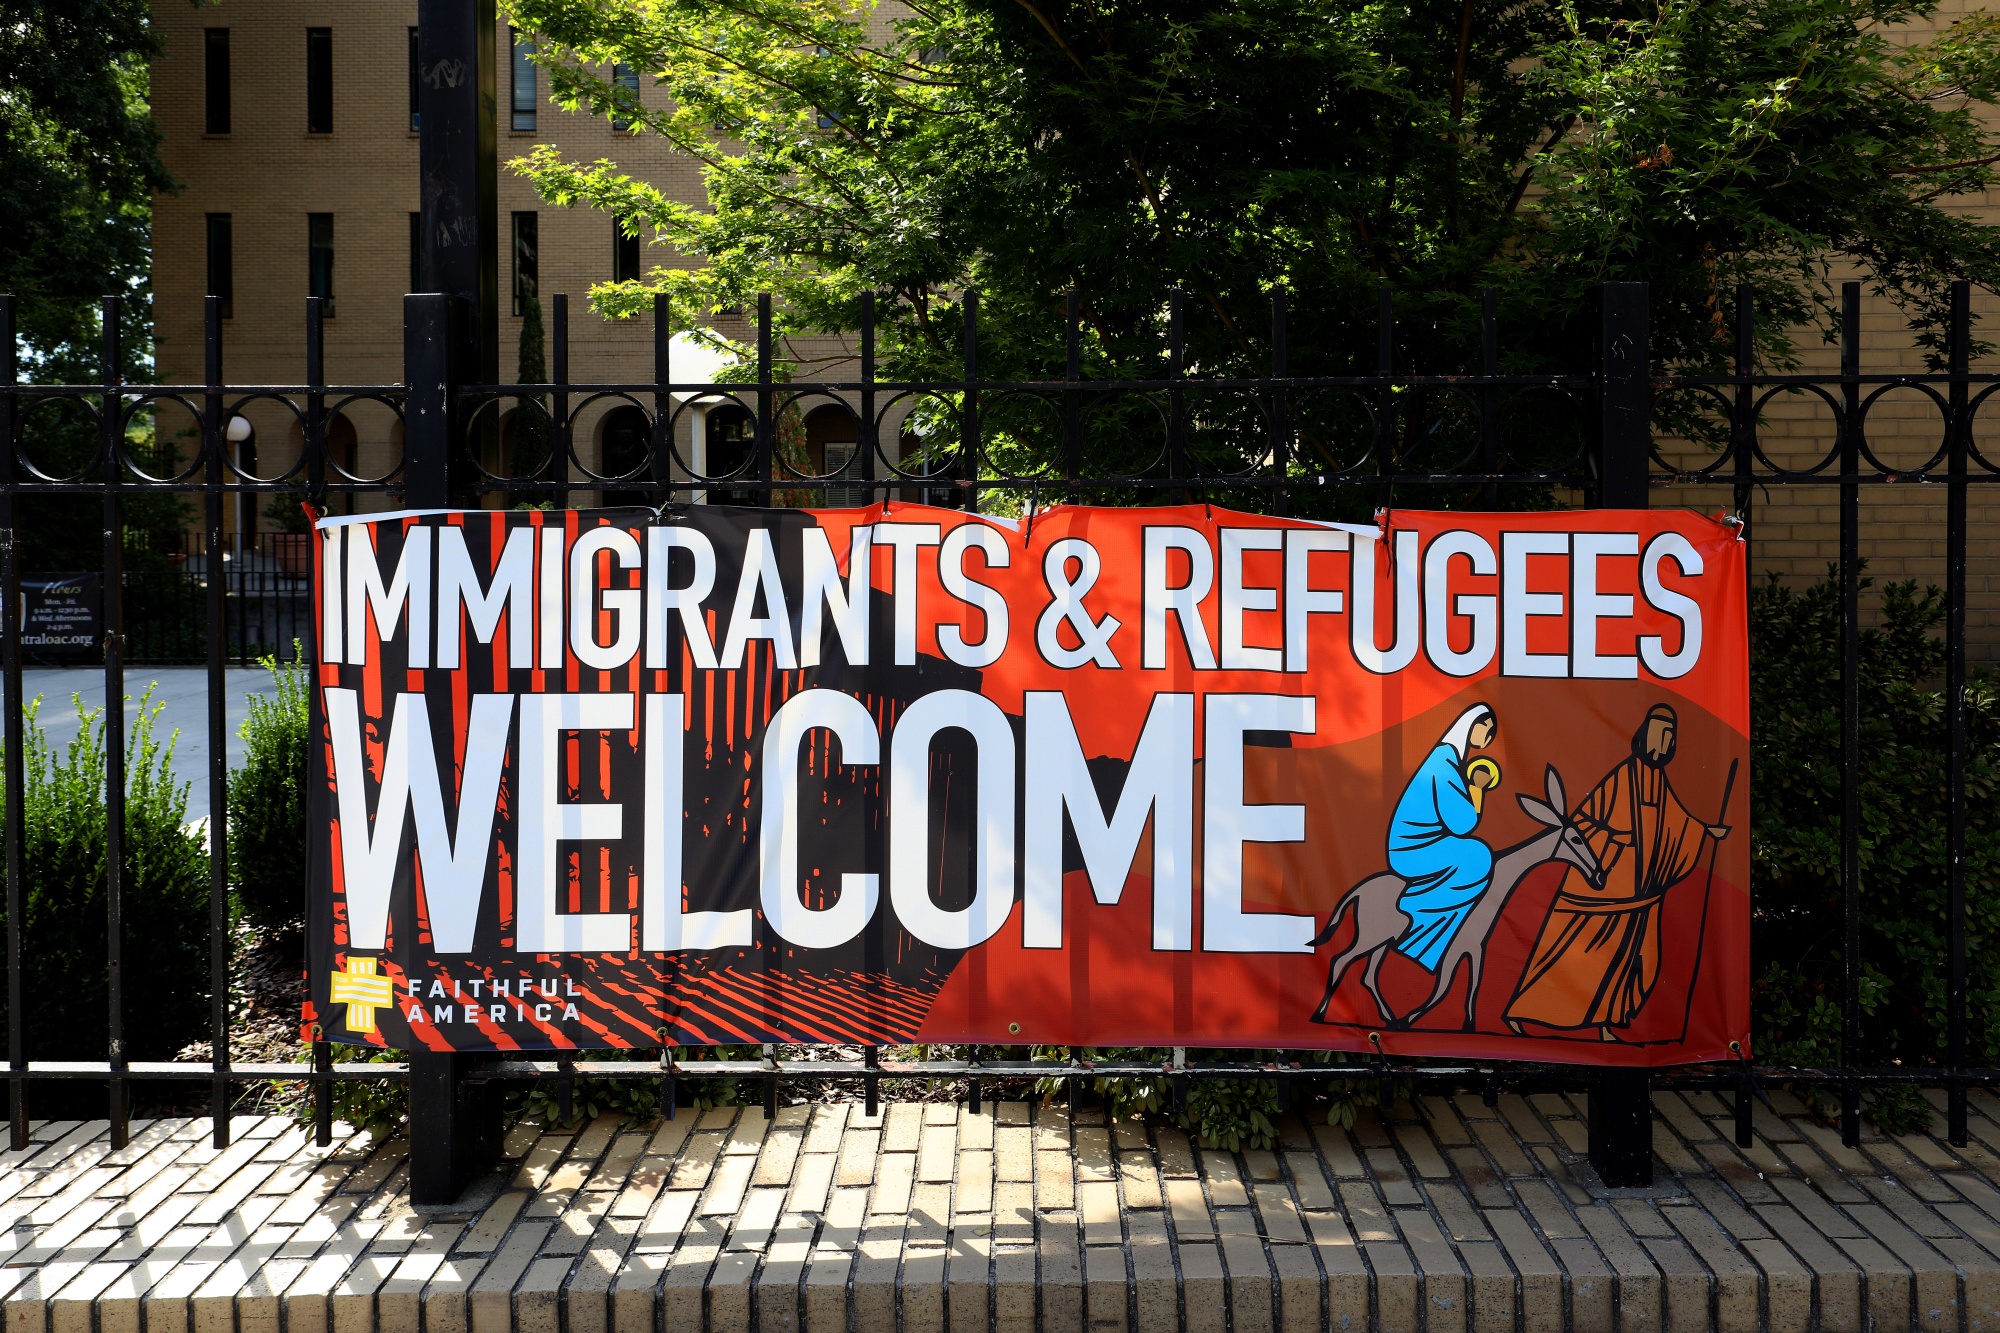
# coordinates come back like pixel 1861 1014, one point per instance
pixel 522 67
pixel 319 257
pixel 527 274
pixel 416 252
pixel 319 80
pixel 215 73
pixel 221 263
pixel 624 254
pixel 625 78
pixel 416 66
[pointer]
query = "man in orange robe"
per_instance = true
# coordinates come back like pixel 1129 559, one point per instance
pixel 1598 955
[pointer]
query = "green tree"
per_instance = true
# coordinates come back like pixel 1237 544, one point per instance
pixel 79 164
pixel 1236 148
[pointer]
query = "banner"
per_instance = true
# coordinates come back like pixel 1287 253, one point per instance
pixel 1453 784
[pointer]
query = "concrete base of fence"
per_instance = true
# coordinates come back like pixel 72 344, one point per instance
pixel 1462 1219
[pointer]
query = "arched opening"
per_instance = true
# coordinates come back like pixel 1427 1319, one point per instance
pixel 623 440
pixel 831 445
pixel 731 437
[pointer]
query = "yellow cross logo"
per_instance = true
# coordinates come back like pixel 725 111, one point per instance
pixel 363 992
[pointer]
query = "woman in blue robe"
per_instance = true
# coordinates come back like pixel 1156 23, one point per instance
pixel 1444 868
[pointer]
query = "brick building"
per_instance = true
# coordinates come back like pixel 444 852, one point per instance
pixel 289 124
pixel 291 128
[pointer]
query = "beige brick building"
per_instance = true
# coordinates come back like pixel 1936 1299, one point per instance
pixel 313 161
pixel 301 179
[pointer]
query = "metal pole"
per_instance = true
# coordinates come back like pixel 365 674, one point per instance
pixel 433 348
pixel 560 425
pixel 1281 426
pixel 1621 1100
pixel 1742 443
pixel 111 428
pixel 1743 433
pixel 968 416
pixel 1072 399
pixel 1850 704
pixel 1385 366
pixel 460 248
pixel 663 402
pixel 1489 394
pixel 1954 692
pixel 1625 437
pixel 1176 398
pixel 214 430
pixel 764 419
pixel 15 776
pixel 453 1125
pixel 868 437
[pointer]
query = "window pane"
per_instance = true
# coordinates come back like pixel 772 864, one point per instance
pixel 416 252
pixel 624 255
pixel 222 262
pixel 416 71
pixel 527 273
pixel 524 99
pixel 215 71
pixel 319 80
pixel 319 255
pixel 627 78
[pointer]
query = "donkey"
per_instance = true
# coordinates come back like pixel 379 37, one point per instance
pixel 1380 923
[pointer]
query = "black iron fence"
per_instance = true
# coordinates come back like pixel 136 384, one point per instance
pixel 1289 443
pixel 266 603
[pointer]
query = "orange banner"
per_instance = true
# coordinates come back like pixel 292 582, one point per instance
pixel 1451 785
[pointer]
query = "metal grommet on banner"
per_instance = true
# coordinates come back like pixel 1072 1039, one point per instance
pixel 1385 1095
pixel 1385 518
pixel 1014 1029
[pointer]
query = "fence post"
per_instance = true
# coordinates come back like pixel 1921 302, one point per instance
pixel 111 440
pixel 1621 1100
pixel 12 770
pixel 454 1126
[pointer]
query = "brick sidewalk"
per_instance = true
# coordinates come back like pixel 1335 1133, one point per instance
pixel 1468 1219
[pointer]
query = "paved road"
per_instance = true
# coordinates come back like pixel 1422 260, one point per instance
pixel 183 692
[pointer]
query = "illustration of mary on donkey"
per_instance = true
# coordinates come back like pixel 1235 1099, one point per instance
pixel 1431 846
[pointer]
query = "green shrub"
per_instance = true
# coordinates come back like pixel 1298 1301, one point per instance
pixel 1797 931
pixel 267 809
pixel 165 898
pixel 376 1108
pixel 1228 1113
pixel 637 1102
